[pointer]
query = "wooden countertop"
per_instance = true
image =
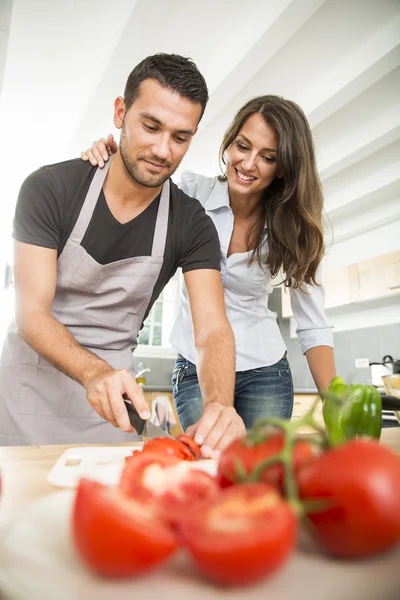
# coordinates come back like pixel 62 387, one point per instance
pixel 24 470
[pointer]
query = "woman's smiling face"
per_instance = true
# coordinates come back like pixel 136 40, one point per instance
pixel 251 158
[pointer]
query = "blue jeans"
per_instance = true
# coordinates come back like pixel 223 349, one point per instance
pixel 262 392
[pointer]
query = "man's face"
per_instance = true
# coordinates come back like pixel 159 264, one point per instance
pixel 156 133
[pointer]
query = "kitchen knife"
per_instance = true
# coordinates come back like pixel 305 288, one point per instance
pixel 144 427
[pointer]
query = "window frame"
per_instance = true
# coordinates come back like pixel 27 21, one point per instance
pixel 146 350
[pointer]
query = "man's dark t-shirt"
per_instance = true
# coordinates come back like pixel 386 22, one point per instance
pixel 51 199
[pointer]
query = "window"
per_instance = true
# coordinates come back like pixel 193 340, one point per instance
pixel 153 339
pixel 151 334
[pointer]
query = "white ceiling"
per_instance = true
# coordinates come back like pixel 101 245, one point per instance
pixel 67 60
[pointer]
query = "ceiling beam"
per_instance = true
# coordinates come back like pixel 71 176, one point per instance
pixel 293 16
pixel 360 143
pixel 377 215
pixel 363 190
pixel 368 64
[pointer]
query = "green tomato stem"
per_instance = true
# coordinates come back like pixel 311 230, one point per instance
pixel 285 457
pixel 256 474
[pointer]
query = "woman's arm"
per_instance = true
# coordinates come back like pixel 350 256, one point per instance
pixel 314 332
pixel 321 361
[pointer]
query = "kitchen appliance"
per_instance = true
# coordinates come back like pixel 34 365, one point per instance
pixel 388 366
pixel 392 387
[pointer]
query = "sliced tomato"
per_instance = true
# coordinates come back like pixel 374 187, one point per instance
pixel 143 474
pixel 191 444
pixel 117 536
pixel 360 483
pixel 169 446
pixel 246 454
pixel 186 491
pixel 245 534
pixel 174 489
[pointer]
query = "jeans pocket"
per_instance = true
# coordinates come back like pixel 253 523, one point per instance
pixel 273 370
pixel 288 380
pixel 176 378
pixel 183 370
pixel 282 366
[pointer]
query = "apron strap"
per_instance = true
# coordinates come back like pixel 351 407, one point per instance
pixel 161 228
pixel 96 185
pixel 89 204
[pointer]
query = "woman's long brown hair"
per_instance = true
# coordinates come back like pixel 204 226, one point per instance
pixel 292 206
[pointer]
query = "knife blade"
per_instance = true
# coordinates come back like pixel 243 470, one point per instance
pixel 144 427
pixel 153 431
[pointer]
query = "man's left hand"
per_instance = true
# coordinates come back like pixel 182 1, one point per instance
pixel 217 427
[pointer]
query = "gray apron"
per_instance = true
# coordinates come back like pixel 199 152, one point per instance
pixel 103 307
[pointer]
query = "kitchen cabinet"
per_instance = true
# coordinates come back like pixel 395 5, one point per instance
pixel 376 278
pixel 337 288
pixel 371 279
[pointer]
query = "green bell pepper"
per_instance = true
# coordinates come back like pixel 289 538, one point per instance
pixel 351 411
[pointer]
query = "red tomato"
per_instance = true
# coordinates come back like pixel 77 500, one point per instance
pixel 175 490
pixel 244 535
pixel 361 481
pixel 142 473
pixel 191 444
pixel 117 536
pixel 186 492
pixel 250 454
pixel 169 446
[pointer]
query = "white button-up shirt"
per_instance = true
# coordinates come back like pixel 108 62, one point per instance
pixel 258 339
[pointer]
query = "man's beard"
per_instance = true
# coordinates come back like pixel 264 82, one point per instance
pixel 143 177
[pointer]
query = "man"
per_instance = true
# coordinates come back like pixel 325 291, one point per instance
pixel 94 248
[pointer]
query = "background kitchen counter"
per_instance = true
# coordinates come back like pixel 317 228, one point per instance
pixel 303 400
pixel 157 388
pixel 371 343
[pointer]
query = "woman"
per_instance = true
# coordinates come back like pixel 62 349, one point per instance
pixel 267 208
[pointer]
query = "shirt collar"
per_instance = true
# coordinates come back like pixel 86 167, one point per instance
pixel 218 197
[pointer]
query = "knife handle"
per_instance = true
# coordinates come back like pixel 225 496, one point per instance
pixel 136 420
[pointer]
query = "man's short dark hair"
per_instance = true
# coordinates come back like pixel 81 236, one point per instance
pixel 172 71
